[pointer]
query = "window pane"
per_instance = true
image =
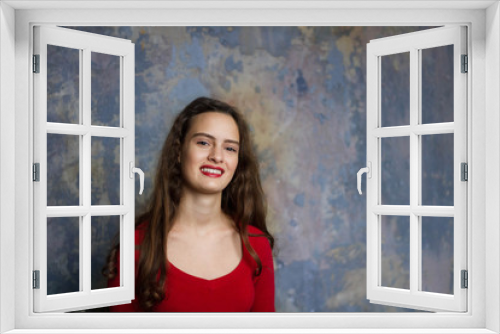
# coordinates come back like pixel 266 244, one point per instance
pixel 63 255
pixel 63 170
pixel 395 236
pixel 105 233
pixel 105 171
pixel 437 254
pixel 437 84
pixel 437 169
pixel 105 89
pixel 395 170
pixel 395 95
pixel 63 84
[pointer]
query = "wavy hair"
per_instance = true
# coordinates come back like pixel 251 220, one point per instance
pixel 243 200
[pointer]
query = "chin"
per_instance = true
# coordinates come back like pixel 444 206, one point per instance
pixel 209 190
pixel 216 188
pixel 206 191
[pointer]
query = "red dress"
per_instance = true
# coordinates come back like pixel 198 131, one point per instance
pixel 238 291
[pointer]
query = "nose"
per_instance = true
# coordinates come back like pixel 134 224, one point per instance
pixel 215 154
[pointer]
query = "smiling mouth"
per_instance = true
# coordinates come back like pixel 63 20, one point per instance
pixel 212 172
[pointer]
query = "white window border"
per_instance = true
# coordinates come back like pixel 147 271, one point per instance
pixel 85 45
pixel 414 44
pixel 483 128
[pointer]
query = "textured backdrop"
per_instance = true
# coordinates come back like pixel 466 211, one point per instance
pixel 303 90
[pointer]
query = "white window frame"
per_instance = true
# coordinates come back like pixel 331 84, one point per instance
pixel 413 44
pixel 85 43
pixel 483 146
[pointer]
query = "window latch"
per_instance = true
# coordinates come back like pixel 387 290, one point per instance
pixel 368 171
pixel 133 170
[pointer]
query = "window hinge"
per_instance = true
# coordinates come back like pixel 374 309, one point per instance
pixel 36 63
pixel 36 279
pixel 464 171
pixel 465 279
pixel 465 64
pixel 36 172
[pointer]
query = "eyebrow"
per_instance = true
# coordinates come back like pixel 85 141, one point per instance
pixel 203 134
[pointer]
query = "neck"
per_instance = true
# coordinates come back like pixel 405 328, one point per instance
pixel 200 212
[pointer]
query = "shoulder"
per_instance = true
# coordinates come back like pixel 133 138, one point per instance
pixel 253 230
pixel 260 243
pixel 258 240
pixel 140 231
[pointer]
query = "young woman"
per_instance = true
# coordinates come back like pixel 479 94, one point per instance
pixel 203 244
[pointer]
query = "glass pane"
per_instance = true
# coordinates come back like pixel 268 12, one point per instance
pixel 437 254
pixel 437 84
pixel 63 170
pixel 395 95
pixel 105 171
pixel 395 170
pixel 105 233
pixel 105 89
pixel 63 84
pixel 395 251
pixel 63 255
pixel 437 169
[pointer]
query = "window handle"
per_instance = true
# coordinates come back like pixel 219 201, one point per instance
pixel 368 171
pixel 133 170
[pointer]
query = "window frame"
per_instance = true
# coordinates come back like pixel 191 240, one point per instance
pixel 413 44
pixel 483 210
pixel 85 131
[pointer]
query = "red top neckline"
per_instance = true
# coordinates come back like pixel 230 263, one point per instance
pixel 237 291
pixel 226 277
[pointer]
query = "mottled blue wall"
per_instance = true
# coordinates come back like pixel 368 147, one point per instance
pixel 303 90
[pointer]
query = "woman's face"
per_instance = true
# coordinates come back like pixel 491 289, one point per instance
pixel 209 154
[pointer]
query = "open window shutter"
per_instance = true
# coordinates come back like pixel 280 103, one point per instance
pixel 83 148
pixel 416 147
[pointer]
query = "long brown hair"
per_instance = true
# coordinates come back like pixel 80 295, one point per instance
pixel 243 200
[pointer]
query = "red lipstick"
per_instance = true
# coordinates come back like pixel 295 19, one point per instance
pixel 211 171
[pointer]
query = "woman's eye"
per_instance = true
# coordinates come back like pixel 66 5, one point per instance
pixel 201 142
pixel 232 149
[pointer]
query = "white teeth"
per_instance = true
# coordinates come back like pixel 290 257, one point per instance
pixel 211 171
